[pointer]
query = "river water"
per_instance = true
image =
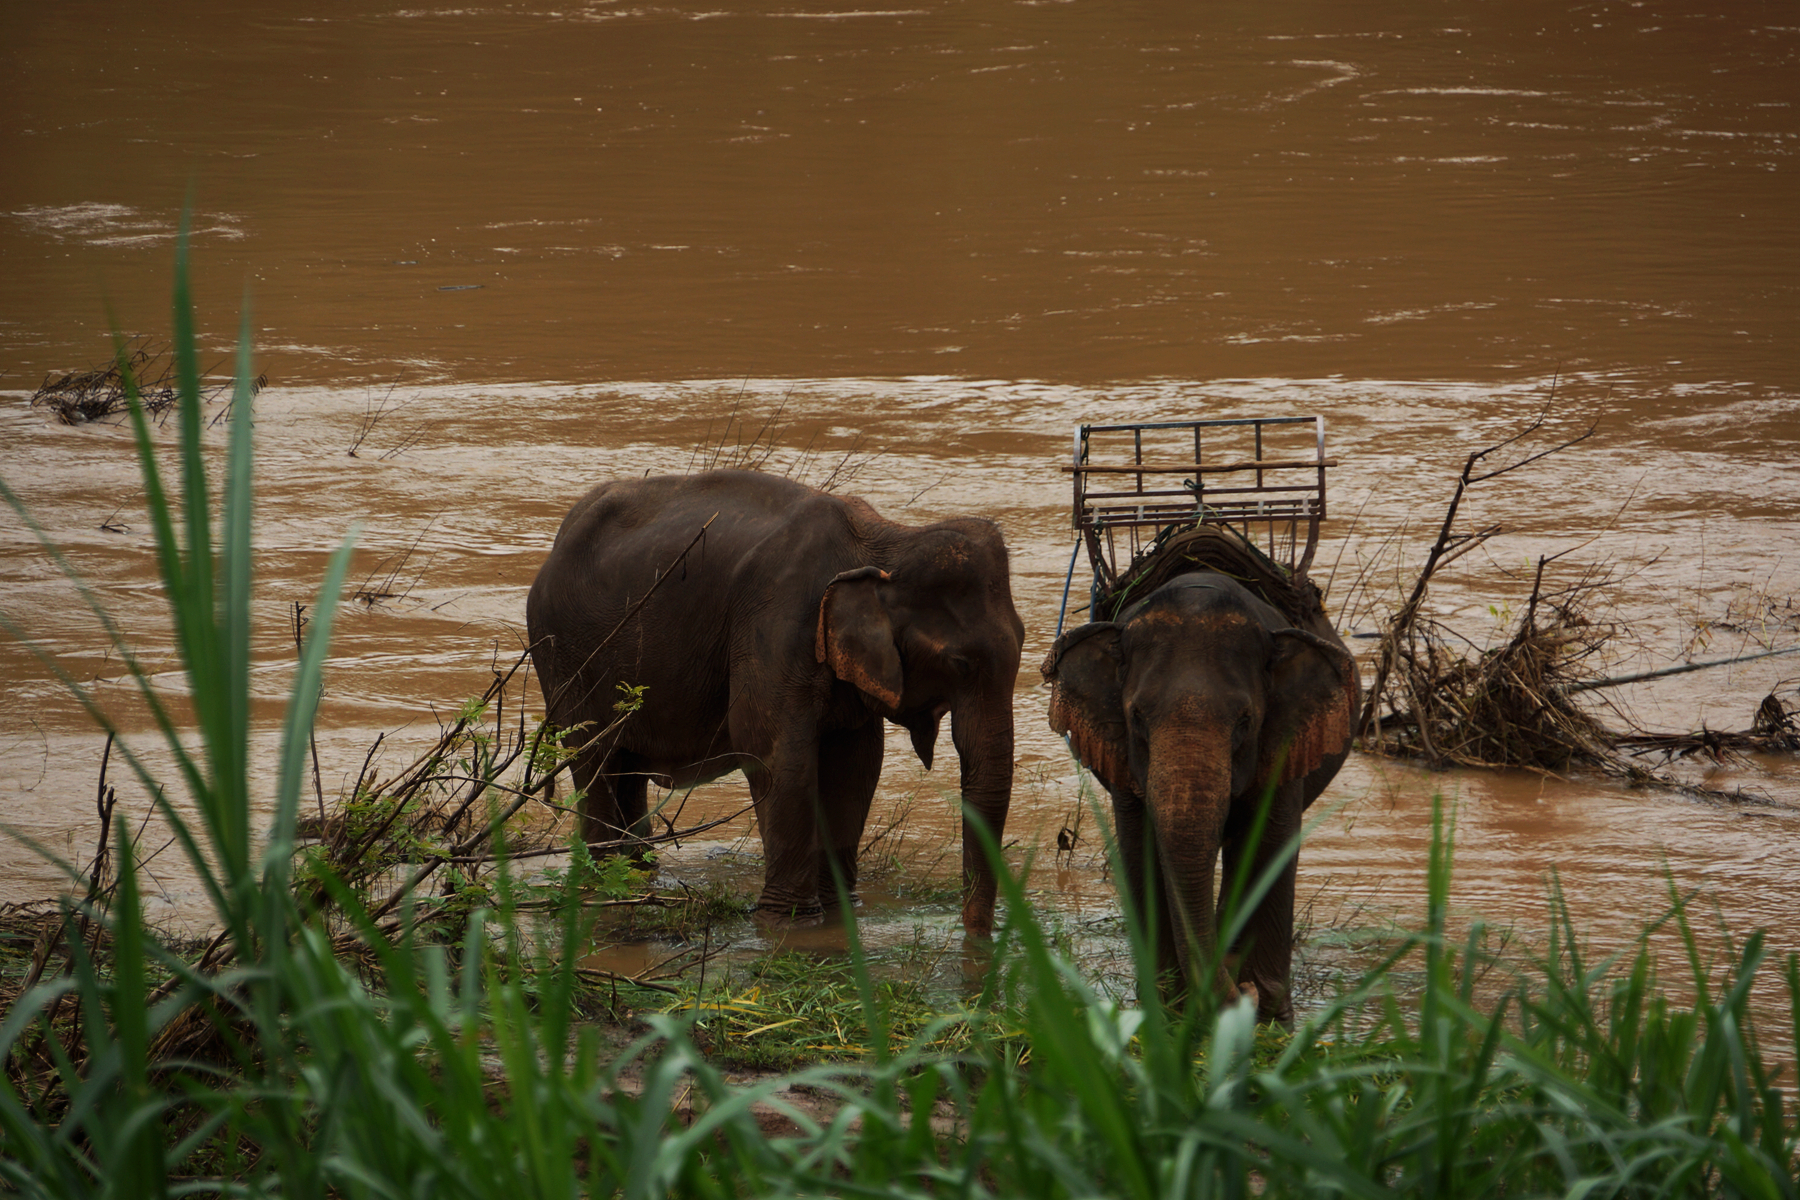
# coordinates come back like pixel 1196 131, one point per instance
pixel 516 249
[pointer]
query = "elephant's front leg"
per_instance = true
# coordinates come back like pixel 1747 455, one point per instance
pixel 849 769
pixel 784 787
pixel 1265 947
pixel 614 797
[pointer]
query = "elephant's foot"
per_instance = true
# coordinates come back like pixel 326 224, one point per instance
pixel 978 914
pixel 831 900
pixel 977 963
pixel 1274 1004
pixel 978 925
pixel 777 917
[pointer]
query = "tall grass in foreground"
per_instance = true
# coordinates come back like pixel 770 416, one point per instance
pixel 458 1070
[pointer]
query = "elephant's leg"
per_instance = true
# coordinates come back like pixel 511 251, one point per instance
pixel 785 792
pixel 631 794
pixel 599 807
pixel 614 805
pixel 849 769
pixel 1143 880
pixel 1264 949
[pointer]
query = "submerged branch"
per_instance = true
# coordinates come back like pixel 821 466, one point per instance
pixel 1678 669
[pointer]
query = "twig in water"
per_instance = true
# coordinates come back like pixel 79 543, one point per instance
pixel 312 733
pixel 597 848
pixel 371 593
pixel 82 914
pixel 371 417
pixel 111 524
pixel 927 488
pixel 1679 669
pixel 846 470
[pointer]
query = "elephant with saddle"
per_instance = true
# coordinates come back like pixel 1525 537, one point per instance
pixel 776 643
pixel 1200 699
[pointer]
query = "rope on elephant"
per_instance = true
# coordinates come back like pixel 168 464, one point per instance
pixel 1179 549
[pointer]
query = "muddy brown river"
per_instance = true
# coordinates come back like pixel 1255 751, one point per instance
pixel 507 251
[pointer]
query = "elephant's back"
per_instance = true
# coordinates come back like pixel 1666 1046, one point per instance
pixel 620 540
pixel 622 521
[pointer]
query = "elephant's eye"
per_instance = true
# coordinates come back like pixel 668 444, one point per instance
pixel 963 665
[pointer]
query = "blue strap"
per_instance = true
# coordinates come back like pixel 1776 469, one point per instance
pixel 1063 612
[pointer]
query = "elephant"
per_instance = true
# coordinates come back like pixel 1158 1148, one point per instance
pixel 776 642
pixel 1197 702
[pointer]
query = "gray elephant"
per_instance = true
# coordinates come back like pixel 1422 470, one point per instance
pixel 1199 700
pixel 776 643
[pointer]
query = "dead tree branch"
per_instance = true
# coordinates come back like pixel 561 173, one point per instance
pixel 1449 545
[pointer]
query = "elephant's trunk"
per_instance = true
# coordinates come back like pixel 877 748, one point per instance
pixel 1188 786
pixel 982 729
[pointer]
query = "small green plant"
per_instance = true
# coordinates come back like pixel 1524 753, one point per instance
pixel 548 752
pixel 611 878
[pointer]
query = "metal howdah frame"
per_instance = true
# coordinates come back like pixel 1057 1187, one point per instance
pixel 1264 476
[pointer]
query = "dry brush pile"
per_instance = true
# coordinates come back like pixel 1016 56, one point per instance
pixel 1434 695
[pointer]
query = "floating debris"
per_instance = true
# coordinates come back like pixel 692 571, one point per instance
pixel 79 397
pixel 1774 730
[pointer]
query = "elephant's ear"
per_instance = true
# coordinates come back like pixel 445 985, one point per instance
pixel 1087 702
pixel 856 638
pixel 1315 696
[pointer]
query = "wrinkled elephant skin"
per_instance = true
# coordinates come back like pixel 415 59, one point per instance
pixel 776 645
pixel 1198 702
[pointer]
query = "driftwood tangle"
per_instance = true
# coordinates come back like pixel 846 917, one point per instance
pixel 77 397
pixel 1437 697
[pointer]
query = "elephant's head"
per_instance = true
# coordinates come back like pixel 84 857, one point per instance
pixel 1195 704
pixel 936 633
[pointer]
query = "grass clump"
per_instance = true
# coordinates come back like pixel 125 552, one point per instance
pixel 687 912
pixel 789 1010
pixel 793 1009
pixel 360 1057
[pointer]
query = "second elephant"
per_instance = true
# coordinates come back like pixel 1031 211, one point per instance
pixel 1198 701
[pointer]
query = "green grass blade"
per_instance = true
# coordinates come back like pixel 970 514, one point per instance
pixel 303 703
pixel 874 1015
pixel 235 561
